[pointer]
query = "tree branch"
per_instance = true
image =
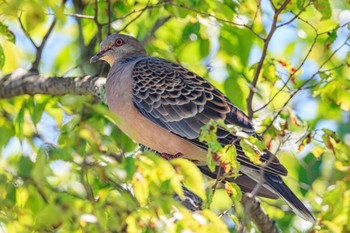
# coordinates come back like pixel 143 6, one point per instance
pixel 40 48
pixel 22 82
pixel 258 215
pixel 262 58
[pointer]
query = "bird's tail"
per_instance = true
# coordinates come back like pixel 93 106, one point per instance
pixel 281 189
pixel 273 188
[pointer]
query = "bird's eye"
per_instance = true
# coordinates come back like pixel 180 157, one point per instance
pixel 119 42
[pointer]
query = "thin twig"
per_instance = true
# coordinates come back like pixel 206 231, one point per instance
pixel 304 59
pixel 76 15
pixel 131 21
pixel 25 31
pixel 256 12
pixel 156 26
pixel 109 16
pixel 303 85
pixel 98 25
pixel 295 16
pixel 290 76
pixel 217 18
pixel 40 48
pixel 86 184
pixel 272 5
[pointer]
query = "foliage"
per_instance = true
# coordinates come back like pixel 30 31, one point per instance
pixel 65 167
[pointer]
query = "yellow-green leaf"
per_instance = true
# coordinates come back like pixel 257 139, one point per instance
pixel 141 190
pixel 2 57
pixel 317 151
pixel 250 152
pixel 192 177
pixel 323 7
pixel 233 191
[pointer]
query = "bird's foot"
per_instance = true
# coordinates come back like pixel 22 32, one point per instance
pixel 170 156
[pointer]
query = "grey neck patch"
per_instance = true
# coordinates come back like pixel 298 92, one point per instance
pixel 130 59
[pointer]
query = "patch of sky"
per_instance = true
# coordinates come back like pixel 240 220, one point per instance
pixel 305 106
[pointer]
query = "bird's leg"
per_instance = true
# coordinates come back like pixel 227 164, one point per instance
pixel 170 156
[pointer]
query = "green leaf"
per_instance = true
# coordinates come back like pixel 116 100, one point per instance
pixel 348 59
pixel 300 4
pixel 35 110
pixel 130 167
pixel 332 36
pixel 7 33
pixel 190 29
pixel 192 177
pixel 234 219
pixel 209 199
pixel 317 151
pixel 233 191
pixel 57 114
pixel 337 91
pixel 36 202
pixel 25 166
pixel 250 152
pixel 2 57
pixel 48 217
pixel 324 8
pixel 41 168
pixel 70 125
pixel 232 88
pixel 20 122
pixel 229 157
pixel 256 142
pixel 141 188
pixel 210 161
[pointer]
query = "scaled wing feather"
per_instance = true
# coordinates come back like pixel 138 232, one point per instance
pixel 182 102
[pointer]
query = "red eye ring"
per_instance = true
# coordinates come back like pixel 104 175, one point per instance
pixel 119 42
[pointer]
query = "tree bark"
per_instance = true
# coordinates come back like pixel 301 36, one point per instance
pixel 22 82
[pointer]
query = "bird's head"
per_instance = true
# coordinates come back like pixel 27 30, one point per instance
pixel 116 47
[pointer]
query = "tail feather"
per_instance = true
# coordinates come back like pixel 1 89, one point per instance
pixel 273 187
pixel 282 190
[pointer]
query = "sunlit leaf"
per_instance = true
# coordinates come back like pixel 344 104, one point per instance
pixel 192 177
pixel 233 191
pixel 2 57
pixel 141 189
pixel 323 7
pixel 5 31
pixel 330 39
pixel 317 151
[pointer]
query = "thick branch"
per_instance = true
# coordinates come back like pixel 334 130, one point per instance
pixel 22 82
pixel 258 215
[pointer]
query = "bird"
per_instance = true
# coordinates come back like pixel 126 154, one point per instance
pixel 162 105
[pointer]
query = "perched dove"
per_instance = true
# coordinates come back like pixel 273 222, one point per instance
pixel 162 105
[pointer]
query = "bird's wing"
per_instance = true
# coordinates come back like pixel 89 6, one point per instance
pixel 182 102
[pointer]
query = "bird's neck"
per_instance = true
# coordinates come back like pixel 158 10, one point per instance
pixel 130 59
pixel 123 67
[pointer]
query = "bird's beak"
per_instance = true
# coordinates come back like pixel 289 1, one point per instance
pixel 97 56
